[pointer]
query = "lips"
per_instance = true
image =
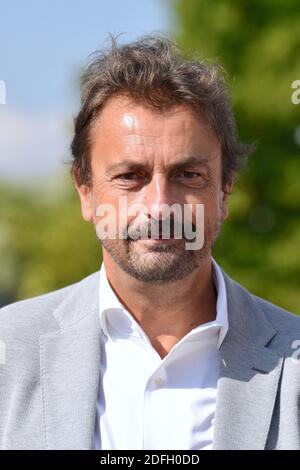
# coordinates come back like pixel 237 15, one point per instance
pixel 158 236
pixel 158 232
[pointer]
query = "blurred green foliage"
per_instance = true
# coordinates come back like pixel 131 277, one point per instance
pixel 258 44
pixel 44 243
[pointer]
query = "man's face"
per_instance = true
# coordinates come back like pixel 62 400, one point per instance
pixel 153 158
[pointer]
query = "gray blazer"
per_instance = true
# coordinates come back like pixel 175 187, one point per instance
pixel 49 371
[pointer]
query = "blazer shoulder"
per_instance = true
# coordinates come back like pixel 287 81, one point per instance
pixel 33 314
pixel 286 323
pixel 255 314
pixel 278 315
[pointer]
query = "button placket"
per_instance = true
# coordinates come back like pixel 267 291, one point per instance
pixel 158 380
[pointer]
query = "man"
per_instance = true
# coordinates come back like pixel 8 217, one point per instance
pixel 161 349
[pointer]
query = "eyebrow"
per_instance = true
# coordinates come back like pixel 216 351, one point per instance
pixel 134 165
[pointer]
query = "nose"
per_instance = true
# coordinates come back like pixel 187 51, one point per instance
pixel 158 194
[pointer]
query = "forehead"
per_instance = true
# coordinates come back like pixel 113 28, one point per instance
pixel 127 126
pixel 123 114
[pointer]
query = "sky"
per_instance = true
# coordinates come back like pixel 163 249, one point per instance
pixel 43 45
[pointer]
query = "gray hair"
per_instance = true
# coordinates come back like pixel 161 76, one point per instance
pixel 154 71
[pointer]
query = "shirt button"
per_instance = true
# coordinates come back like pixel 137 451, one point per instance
pixel 158 380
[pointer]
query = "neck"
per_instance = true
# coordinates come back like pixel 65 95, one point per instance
pixel 166 312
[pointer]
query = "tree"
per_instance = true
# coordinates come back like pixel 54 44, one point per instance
pixel 44 243
pixel 258 44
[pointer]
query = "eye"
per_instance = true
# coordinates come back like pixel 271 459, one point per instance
pixel 128 176
pixel 189 174
pixel 190 178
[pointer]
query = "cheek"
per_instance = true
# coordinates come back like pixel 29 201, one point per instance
pixel 114 207
pixel 210 198
pixel 214 209
pixel 104 191
pixel 105 200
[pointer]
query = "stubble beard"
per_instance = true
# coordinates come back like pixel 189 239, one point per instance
pixel 161 264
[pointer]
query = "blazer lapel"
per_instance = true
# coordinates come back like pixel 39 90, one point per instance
pixel 249 375
pixel 70 361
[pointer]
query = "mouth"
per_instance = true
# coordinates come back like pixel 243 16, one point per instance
pixel 159 238
pixel 157 234
pixel 164 241
pixel 160 235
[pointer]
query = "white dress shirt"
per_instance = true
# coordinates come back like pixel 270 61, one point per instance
pixel 146 402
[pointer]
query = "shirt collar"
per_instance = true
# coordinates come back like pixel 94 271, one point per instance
pixel 222 311
pixel 110 308
pixel 108 301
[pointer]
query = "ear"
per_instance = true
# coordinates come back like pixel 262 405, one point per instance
pixel 85 195
pixel 225 193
